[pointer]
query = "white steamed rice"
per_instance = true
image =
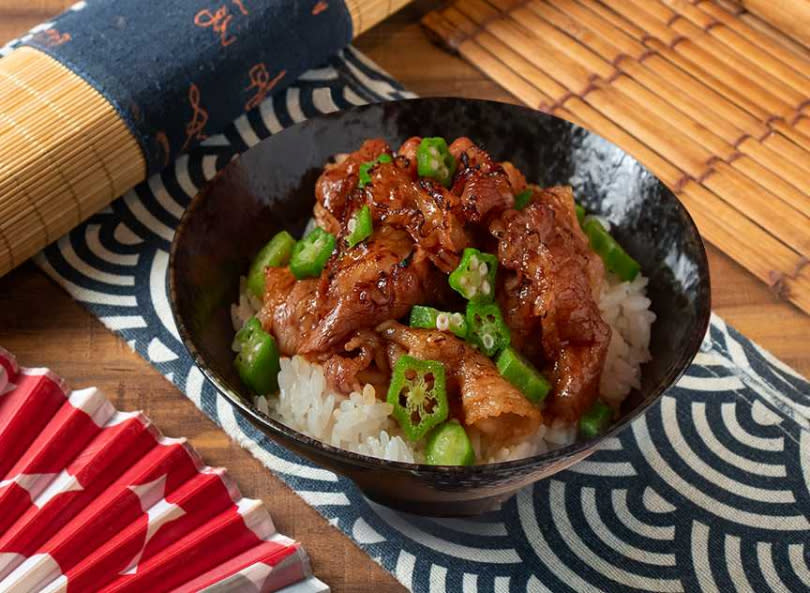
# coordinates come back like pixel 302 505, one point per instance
pixel 362 423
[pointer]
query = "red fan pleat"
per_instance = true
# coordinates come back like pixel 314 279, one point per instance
pixel 92 500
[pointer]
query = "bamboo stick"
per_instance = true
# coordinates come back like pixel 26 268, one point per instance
pixel 764 27
pixel 793 136
pixel 790 16
pixel 755 36
pixel 446 33
pixel 787 138
pixel 503 57
pixel 740 78
pixel 714 103
pixel 601 66
pixel 615 48
pixel 690 81
pixel 633 116
pixel 698 70
pixel 697 22
pixel 367 13
pixel 677 25
pixel 684 63
pixel 761 253
pixel 802 124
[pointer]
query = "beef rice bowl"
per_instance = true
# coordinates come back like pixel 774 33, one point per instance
pixel 439 309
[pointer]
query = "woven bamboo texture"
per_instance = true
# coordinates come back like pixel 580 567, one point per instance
pixel 717 108
pixel 64 151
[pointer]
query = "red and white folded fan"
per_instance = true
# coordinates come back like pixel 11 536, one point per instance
pixel 96 500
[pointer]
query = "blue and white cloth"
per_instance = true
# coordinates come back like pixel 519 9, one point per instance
pixel 709 491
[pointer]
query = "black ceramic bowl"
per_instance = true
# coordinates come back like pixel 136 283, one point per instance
pixel 270 188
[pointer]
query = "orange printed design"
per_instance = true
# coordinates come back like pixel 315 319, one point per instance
pixel 52 37
pixel 196 126
pixel 220 20
pixel 163 141
pixel 241 7
pixel 319 7
pixel 261 81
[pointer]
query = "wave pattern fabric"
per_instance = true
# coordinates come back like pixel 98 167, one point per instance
pixel 709 491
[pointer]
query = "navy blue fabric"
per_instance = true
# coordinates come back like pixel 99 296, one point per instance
pixel 182 70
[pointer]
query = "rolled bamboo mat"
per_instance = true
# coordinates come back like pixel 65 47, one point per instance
pixel 65 152
pixel 717 108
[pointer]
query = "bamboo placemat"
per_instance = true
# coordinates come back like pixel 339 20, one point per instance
pixel 716 105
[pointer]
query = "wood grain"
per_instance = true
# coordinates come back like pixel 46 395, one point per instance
pixel 43 326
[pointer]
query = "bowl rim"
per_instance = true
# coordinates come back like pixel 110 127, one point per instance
pixel 342 456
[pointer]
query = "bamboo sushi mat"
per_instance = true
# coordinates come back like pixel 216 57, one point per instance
pixel 713 101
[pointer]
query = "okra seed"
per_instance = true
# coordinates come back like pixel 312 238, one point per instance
pixel 442 321
pixel 352 225
pixel 473 262
pixel 483 268
pixel 488 341
pixel 457 319
pixel 472 291
pixel 486 288
pixel 369 394
pixel 434 164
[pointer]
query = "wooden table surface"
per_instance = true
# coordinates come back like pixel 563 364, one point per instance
pixel 45 327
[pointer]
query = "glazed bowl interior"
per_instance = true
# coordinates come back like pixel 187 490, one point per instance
pixel 270 188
